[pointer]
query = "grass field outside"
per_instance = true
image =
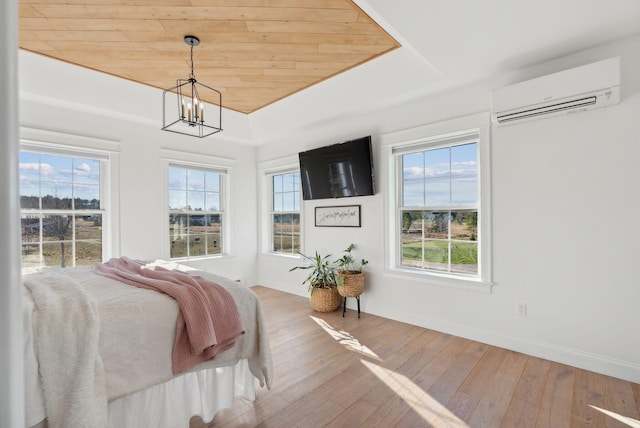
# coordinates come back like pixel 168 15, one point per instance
pixel 286 233
pixel 440 240
pixel 434 255
pixel 191 238
pixel 45 240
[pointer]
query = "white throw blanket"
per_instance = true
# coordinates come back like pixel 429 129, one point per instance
pixel 67 333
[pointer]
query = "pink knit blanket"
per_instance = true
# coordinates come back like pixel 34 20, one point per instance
pixel 208 321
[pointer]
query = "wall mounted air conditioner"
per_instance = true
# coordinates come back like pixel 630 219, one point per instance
pixel 578 89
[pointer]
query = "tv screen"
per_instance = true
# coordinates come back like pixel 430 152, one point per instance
pixel 337 171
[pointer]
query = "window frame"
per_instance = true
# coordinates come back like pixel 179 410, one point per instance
pixel 432 136
pixel 272 212
pixel 266 169
pixel 223 209
pixel 449 143
pixel 107 153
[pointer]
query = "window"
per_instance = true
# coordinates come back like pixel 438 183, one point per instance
pixel 438 206
pixel 285 213
pixel 196 211
pixel 62 208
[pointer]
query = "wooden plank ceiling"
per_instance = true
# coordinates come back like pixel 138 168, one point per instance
pixel 254 51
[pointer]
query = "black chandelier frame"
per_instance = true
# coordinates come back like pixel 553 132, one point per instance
pixel 190 105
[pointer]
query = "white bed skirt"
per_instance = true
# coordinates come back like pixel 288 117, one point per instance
pixel 173 403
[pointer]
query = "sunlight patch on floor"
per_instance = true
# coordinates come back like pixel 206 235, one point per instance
pixel 346 339
pixel 624 419
pixel 422 403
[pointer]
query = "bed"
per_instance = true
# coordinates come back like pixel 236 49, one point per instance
pixel 98 352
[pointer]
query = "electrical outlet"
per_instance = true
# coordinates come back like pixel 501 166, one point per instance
pixel 521 309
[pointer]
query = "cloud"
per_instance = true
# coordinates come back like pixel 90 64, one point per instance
pixel 177 184
pixel 469 164
pixel 84 170
pixel 29 166
pixel 84 167
pixel 415 172
pixel 458 169
pixel 44 168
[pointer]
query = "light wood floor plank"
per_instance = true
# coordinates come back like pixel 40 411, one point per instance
pixel 533 380
pixel 557 400
pixel 499 391
pixel 619 398
pixel 587 391
pixel 525 404
pixel 339 372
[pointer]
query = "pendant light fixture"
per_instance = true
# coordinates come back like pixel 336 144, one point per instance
pixel 191 99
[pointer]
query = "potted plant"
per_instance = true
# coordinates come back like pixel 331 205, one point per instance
pixel 321 281
pixel 350 277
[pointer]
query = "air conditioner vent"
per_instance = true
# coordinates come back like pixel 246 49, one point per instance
pixel 578 89
pixel 540 111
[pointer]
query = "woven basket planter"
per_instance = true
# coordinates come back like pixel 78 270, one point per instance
pixel 350 284
pixel 325 299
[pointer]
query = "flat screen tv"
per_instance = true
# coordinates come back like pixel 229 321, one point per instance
pixel 337 171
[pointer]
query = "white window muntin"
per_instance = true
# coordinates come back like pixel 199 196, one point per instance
pixel 294 207
pixel 219 241
pixel 40 213
pixel 420 147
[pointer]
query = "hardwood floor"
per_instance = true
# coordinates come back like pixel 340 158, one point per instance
pixel 332 371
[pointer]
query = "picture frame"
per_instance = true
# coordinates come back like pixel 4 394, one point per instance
pixel 338 216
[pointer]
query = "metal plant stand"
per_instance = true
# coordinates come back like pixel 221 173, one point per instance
pixel 344 305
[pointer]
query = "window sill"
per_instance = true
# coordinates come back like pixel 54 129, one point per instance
pixel 282 256
pixel 440 280
pixel 199 258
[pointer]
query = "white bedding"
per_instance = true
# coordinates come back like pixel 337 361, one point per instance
pixel 171 404
pixel 137 328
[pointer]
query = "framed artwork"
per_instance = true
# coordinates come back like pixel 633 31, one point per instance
pixel 340 216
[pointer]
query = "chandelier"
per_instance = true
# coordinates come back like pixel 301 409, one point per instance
pixel 189 106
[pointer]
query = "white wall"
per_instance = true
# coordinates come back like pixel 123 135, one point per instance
pixel 79 112
pixel 564 240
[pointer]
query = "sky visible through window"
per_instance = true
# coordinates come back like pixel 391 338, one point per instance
pixel 441 177
pixel 194 190
pixel 59 176
pixel 286 192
